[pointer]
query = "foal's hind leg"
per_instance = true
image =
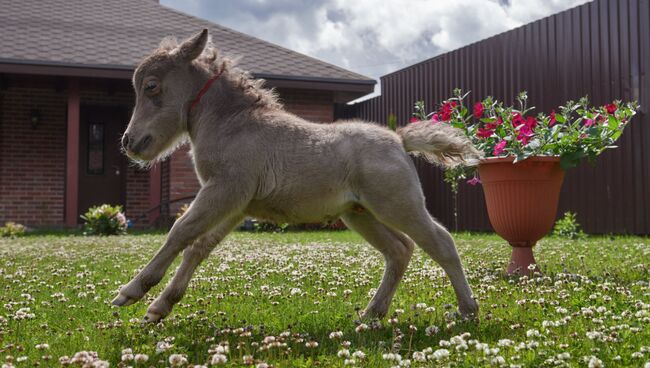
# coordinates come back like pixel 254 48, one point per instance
pixel 404 210
pixel 397 250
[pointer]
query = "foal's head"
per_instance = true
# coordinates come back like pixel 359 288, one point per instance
pixel 165 83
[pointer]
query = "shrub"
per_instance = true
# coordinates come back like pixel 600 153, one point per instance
pixel 568 227
pixel 182 210
pixel 105 220
pixel 11 230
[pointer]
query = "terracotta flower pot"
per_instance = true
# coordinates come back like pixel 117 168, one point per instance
pixel 522 202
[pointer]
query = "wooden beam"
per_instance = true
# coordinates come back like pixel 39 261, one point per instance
pixel 72 156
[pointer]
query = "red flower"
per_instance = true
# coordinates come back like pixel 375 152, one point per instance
pixel 531 122
pixel 473 181
pixel 588 122
pixel 552 121
pixel 447 109
pixel 478 110
pixel 611 108
pixel 414 120
pixel 435 118
pixel 525 133
pixel 499 121
pixel 517 119
pixel 498 149
pixel 484 133
pixel 490 126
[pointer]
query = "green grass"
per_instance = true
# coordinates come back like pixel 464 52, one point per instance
pixel 593 300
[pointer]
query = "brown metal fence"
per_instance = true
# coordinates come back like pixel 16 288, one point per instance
pixel 600 49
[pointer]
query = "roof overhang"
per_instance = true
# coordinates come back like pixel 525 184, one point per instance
pixel 344 89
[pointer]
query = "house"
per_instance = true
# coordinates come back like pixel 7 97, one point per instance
pixel 66 96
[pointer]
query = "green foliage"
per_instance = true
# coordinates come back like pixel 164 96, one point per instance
pixel 104 220
pixel 568 227
pixel 269 227
pixel 12 230
pixel 392 122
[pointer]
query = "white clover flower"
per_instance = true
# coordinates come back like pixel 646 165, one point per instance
pixel 532 333
pixel 218 359
pixel 392 357
pixel 248 359
pixel 431 330
pixel 419 356
pixel 336 335
pixel 441 354
pixel 343 353
pixel 262 365
pixel 295 291
pixel 163 346
pixel 359 355
pixel 311 344
pixel 177 360
pixel 362 327
pixel 141 358
pixel 505 342
pixel 127 357
pixel 595 363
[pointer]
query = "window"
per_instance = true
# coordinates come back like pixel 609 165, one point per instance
pixel 95 164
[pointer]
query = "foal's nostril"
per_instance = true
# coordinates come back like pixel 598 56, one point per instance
pixel 125 141
pixel 142 144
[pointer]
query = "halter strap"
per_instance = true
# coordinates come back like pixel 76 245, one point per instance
pixel 205 89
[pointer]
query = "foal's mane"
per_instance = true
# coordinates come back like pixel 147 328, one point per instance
pixel 251 89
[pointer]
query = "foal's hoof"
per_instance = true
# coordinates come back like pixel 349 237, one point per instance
pixel 152 317
pixel 470 311
pixel 123 300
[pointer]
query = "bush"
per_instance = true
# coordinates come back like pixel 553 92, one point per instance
pixel 182 210
pixel 12 230
pixel 568 227
pixel 105 220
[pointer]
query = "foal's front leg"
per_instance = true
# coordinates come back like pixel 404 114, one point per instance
pixel 192 257
pixel 213 204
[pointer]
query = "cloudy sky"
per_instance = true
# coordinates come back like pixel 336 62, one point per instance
pixel 372 37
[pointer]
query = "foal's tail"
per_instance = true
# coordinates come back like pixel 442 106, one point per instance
pixel 439 143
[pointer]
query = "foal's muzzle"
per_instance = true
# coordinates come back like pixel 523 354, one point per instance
pixel 130 145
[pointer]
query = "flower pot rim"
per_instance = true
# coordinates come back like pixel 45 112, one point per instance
pixel 494 160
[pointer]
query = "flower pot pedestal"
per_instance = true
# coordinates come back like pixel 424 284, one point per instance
pixel 522 201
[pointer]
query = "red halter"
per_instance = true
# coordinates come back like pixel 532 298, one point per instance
pixel 205 89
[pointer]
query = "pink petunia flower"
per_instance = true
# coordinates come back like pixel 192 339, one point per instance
pixel 499 148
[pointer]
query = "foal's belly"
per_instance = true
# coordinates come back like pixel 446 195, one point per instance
pixel 281 209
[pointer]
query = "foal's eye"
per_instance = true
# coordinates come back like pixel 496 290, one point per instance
pixel 151 85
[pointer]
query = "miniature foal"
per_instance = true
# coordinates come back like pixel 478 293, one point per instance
pixel 253 158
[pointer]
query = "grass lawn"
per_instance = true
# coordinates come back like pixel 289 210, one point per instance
pixel 269 298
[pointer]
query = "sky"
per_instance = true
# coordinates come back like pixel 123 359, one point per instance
pixel 372 37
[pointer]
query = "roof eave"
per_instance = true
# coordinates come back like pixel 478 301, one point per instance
pixel 351 87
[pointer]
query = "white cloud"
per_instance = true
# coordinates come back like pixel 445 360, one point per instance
pixel 368 36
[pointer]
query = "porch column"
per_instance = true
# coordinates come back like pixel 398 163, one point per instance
pixel 72 156
pixel 155 194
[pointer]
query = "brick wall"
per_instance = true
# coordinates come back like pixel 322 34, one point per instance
pixel 309 104
pixel 32 160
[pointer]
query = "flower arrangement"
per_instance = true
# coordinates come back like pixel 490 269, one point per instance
pixel 105 220
pixel 574 132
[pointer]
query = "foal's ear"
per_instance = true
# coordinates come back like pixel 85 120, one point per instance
pixel 191 48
